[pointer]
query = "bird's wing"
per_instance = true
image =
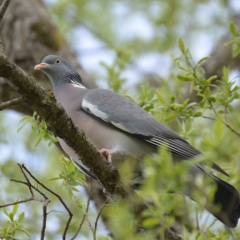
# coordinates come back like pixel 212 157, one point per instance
pixel 129 117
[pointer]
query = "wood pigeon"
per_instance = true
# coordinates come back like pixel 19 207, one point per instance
pixel 120 128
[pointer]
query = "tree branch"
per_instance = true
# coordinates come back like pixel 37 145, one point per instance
pixel 98 216
pixel 3 8
pixel 18 202
pixel 10 103
pixel 56 195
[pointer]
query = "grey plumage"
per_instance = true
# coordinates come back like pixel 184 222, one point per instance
pixel 126 130
pixel 129 117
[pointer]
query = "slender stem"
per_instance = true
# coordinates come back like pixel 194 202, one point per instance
pixel 44 220
pixel 28 182
pixel 85 213
pixel 18 202
pixel 98 216
pixel 56 195
pixel 10 103
pixel 223 120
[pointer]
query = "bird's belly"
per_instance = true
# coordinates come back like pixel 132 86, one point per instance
pixel 123 145
pixel 120 143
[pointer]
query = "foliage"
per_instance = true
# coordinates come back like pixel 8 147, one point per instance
pixel 114 78
pixel 13 226
pixel 40 128
pixel 217 100
pixel 236 39
pixel 70 176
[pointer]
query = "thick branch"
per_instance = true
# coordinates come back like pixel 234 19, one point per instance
pixel 56 117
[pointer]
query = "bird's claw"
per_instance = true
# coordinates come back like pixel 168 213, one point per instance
pixel 107 154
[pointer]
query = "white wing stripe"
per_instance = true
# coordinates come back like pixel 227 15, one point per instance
pixel 94 110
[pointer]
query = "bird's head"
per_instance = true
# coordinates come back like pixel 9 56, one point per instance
pixel 59 71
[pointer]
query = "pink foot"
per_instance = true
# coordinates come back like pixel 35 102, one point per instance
pixel 107 154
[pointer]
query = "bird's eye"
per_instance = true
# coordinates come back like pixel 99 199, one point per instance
pixel 57 61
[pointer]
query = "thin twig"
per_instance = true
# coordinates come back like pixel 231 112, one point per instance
pixel 10 103
pixel 28 182
pixel 56 195
pixel 3 8
pixel 234 131
pixel 222 120
pixel 211 225
pixel 46 200
pixel 44 220
pixel 85 214
pixel 18 202
pixel 33 198
pixel 98 216
pixel 210 118
pixel 36 189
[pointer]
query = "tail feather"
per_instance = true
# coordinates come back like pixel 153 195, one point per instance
pixel 227 198
pixel 225 205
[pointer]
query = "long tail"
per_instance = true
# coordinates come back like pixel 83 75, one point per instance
pixel 225 204
pixel 228 200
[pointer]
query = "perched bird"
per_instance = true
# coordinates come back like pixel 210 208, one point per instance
pixel 120 128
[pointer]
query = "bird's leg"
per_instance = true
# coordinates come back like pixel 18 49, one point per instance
pixel 107 154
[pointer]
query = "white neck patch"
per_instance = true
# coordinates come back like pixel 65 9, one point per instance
pixel 78 85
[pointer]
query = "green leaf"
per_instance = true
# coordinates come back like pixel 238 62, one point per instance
pixel 197 114
pixel 191 104
pixel 203 59
pixel 226 73
pixel 129 97
pixel 212 78
pixel 74 189
pixel 181 46
pixel 26 232
pixel 5 212
pixel 38 141
pixel 11 216
pixel 53 179
pixel 21 217
pixel 151 95
pixel 170 118
pixel 207 93
pixel 15 208
pixel 185 79
pixel 160 98
pixel 236 51
pixel 233 29
pixel 150 222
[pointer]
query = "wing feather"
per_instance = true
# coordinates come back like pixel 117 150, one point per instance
pixel 129 117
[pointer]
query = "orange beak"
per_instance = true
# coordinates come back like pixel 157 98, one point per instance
pixel 40 66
